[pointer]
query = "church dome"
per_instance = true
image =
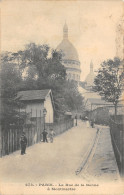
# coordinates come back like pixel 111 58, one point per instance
pixel 68 50
pixel 69 57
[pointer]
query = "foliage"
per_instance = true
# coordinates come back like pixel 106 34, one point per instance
pixel 10 84
pixel 73 99
pixel 109 81
pixel 37 67
pixel 82 84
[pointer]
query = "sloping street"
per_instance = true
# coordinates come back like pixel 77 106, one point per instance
pixel 57 161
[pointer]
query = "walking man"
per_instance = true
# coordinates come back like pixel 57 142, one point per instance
pixel 23 142
pixel 45 135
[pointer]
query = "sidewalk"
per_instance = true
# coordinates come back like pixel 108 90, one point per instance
pixel 102 166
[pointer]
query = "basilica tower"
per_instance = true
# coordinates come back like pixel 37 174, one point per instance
pixel 69 57
pixel 90 77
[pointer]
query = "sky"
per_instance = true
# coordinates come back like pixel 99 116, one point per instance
pixel 91 24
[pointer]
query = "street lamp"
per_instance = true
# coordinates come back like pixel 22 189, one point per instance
pixel 44 113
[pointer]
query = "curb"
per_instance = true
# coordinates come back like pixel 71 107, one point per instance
pixel 89 154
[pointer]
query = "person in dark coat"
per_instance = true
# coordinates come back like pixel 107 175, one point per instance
pixel 45 135
pixel 23 142
pixel 92 124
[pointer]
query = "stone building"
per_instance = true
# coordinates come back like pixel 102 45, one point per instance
pixel 69 57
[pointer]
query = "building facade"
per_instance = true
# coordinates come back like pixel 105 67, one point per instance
pixel 35 101
pixel 70 57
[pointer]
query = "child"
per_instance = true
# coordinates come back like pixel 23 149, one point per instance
pixel 51 135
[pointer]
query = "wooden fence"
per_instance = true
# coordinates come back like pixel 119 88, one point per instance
pixel 61 126
pixel 33 130
pixel 11 137
pixel 117 137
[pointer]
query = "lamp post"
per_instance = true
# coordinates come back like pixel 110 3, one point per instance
pixel 44 113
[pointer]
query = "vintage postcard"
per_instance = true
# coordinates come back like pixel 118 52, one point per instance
pixel 61 97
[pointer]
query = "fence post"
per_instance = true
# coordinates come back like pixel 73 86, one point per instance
pixel 40 125
pixel 18 135
pixel 8 141
pixel 121 157
pixel 16 138
pixel 31 129
pixel 12 139
pixel 17 143
pixel 116 130
pixel 2 144
pixel 36 127
pixel 28 137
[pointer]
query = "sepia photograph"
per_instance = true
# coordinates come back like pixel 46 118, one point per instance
pixel 61 97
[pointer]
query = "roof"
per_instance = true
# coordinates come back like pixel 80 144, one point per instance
pixel 87 94
pixel 33 94
pixel 99 101
pixel 69 51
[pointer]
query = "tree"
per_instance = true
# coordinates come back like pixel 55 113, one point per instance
pixel 40 67
pixel 40 61
pixel 10 84
pixel 43 69
pixel 73 98
pixel 109 81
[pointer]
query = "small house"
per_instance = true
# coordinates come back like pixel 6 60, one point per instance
pixel 35 101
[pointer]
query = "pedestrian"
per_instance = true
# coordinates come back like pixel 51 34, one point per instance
pixel 45 135
pixel 23 142
pixel 92 124
pixel 51 135
pixel 87 122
